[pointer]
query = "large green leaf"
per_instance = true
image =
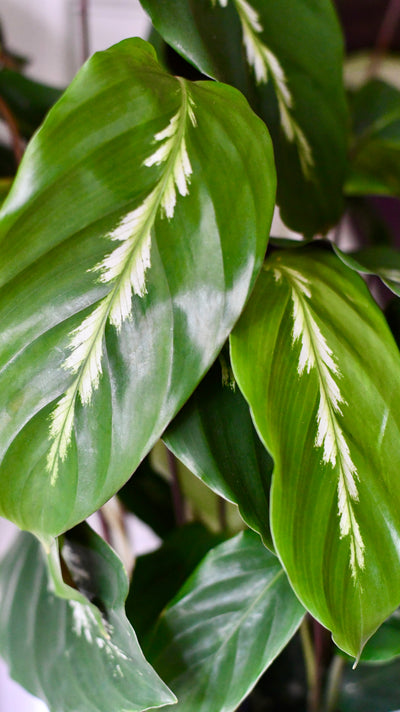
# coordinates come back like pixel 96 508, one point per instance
pixel 139 220
pixel 227 624
pixel 65 651
pixel 158 576
pixel 286 57
pixel 315 359
pixel 215 438
pixel 376 142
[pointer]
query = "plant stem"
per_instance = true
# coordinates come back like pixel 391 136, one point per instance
pixel 16 139
pixel 84 15
pixel 222 513
pixel 177 499
pixel 309 656
pixel 335 676
pixel 385 35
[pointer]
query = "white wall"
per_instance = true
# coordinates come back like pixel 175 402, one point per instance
pixel 48 33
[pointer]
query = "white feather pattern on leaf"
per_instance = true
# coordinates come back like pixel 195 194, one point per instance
pixel 316 355
pixel 125 270
pixel 265 63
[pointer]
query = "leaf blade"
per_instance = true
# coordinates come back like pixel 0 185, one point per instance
pixel 56 648
pixel 197 641
pixel 79 425
pixel 332 560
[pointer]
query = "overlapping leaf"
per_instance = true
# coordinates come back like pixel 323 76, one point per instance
pixel 158 576
pixel 215 438
pixel 376 143
pixel 319 367
pixel 286 57
pixel 128 246
pixel 225 627
pixel 65 651
pixel 380 260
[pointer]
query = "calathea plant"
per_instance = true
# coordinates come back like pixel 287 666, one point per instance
pixel 139 301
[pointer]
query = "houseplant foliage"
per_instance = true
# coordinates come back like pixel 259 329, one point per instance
pixel 140 300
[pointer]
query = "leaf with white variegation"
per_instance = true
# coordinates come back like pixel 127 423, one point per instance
pixel 314 357
pixel 139 219
pixel 285 57
pixel 64 650
pixel 226 625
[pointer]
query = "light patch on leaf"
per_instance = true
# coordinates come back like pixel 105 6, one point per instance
pixel 124 269
pixel 85 625
pixel 265 64
pixel 315 354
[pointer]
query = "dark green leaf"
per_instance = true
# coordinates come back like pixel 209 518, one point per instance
pixel 313 355
pixel 157 577
pixel 380 260
pixel 65 651
pixel 231 619
pixel 214 437
pixel 139 220
pixel 148 496
pixel 385 644
pixel 375 165
pixel 286 57
pixel 27 100
pixel 371 689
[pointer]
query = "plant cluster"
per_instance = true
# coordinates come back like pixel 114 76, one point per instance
pixel 152 324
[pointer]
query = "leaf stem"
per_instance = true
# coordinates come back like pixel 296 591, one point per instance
pixel 84 16
pixel 177 498
pixel 385 36
pixel 335 676
pixel 309 654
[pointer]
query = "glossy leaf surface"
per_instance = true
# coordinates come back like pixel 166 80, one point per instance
pixel 225 627
pixel 214 437
pixel 163 573
pixel 376 142
pixel 314 356
pixel 56 648
pixel 139 220
pixel 285 57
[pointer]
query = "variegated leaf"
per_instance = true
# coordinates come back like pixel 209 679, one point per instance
pixel 285 56
pixel 315 359
pixel 75 656
pixel 132 223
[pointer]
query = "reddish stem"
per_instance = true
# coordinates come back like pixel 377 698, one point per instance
pixel 385 35
pixel 17 144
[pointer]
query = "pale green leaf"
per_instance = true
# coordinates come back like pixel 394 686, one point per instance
pixel 314 356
